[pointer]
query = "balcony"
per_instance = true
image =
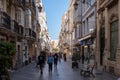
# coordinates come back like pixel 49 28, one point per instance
pixel 33 34
pixel 4 20
pixel 21 30
pixel 28 32
pixel 16 27
pixel 66 44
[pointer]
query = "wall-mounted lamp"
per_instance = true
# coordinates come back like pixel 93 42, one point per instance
pixel 75 5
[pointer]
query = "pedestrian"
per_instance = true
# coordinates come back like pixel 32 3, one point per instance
pixel 41 62
pixel 55 59
pixel 50 62
pixel 64 55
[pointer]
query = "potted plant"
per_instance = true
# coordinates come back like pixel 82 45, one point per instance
pixel 7 50
pixel 75 59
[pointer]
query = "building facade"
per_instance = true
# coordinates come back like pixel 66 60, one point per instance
pixel 18 25
pixel 82 26
pixel 86 24
pixel 11 27
pixel 45 39
pixel 108 40
pixel 54 46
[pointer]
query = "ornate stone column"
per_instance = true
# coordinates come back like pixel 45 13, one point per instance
pixel 107 39
pixel 97 55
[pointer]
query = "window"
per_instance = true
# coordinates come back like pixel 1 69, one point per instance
pixel 113 39
pixel 19 16
pixel 88 3
pixel 78 29
pixel 75 32
pixel 28 18
pixel 87 25
pixel 27 21
pixel 83 28
pixel 1 5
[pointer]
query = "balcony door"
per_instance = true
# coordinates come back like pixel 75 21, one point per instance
pixel 102 43
pixel 113 39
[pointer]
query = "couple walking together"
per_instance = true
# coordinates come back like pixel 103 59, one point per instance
pixel 50 60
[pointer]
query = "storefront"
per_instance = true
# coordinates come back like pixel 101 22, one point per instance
pixel 87 47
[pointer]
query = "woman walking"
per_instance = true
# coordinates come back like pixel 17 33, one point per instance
pixel 50 62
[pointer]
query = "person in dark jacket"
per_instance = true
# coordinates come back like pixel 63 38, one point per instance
pixel 41 62
pixel 55 59
pixel 64 55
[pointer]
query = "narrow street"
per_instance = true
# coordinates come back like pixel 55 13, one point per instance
pixel 62 72
pixel 86 30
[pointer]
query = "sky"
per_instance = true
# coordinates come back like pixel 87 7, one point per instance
pixel 54 11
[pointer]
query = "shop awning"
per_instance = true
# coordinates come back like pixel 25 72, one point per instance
pixel 86 37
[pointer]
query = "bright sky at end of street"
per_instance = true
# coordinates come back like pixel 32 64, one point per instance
pixel 54 11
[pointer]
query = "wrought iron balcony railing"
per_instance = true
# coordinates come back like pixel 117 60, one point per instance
pixel 5 20
pixel 33 34
pixel 15 27
pixel 28 32
pixel 21 30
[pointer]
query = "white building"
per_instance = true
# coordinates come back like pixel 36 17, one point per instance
pixel 54 45
pixel 44 35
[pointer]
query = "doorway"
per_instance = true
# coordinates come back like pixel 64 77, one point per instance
pixel 102 44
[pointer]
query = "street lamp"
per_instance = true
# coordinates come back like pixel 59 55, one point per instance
pixel 75 5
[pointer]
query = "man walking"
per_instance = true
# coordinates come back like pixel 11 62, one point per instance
pixel 41 62
pixel 55 59
pixel 64 55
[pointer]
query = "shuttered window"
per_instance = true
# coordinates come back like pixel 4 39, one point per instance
pixel 113 39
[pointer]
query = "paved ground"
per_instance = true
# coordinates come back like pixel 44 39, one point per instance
pixel 62 72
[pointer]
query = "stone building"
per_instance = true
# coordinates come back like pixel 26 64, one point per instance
pixel 18 25
pixel 79 26
pixel 54 46
pixel 64 35
pixel 30 30
pixel 86 27
pixel 108 39
pixel 38 28
pixel 45 39
pixel 11 26
pixel 82 26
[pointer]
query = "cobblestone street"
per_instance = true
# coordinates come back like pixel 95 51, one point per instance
pixel 62 72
